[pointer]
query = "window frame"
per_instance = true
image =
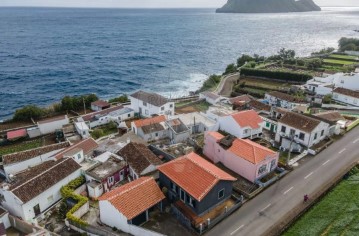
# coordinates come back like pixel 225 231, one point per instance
pixel 219 192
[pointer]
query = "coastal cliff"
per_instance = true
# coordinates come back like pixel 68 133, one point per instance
pixel 268 6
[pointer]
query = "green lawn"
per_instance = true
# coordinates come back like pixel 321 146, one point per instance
pixel 202 107
pixel 339 62
pixel 345 57
pixel 4 150
pixel 336 214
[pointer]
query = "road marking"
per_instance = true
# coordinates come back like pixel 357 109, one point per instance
pixel 306 177
pixel 237 229
pixel 356 140
pixel 343 150
pixel 288 191
pixel 325 163
pixel 266 207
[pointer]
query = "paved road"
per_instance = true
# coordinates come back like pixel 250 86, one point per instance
pixel 225 87
pixel 259 214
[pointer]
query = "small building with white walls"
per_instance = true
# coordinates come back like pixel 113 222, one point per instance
pixel 49 126
pixel 82 129
pixel 346 96
pixel 128 206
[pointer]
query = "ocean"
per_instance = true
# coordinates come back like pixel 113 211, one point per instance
pixel 47 53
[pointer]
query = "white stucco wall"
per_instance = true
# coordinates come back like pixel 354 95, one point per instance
pixel 149 110
pixel 229 125
pixel 51 127
pixel 346 99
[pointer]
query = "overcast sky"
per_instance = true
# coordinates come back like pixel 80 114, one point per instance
pixel 147 3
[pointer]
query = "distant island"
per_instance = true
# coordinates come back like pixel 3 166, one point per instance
pixel 268 6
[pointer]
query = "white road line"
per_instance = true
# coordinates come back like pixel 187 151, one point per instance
pixel 343 150
pixel 237 229
pixel 325 163
pixel 306 177
pixel 288 191
pixel 266 207
pixel 356 140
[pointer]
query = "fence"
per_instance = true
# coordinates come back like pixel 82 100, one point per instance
pixel 353 125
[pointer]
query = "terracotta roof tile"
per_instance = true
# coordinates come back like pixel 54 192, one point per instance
pixel 149 121
pixel 299 121
pixel 100 103
pixel 139 156
pixel 135 197
pixel 87 145
pixel 16 134
pixel 330 116
pixel 240 99
pixel 347 92
pixel 248 119
pixel 34 181
pixel 151 98
pixel 26 155
pixel 250 151
pixel 194 174
pixel 259 105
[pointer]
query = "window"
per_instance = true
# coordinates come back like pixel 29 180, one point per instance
pixel 145 104
pixel 221 194
pixel 100 186
pixel 246 131
pixel 292 132
pixel 315 136
pixel 78 156
pixel 111 180
pixel 156 134
pixel 182 195
pixel 162 108
pixel 267 124
pixel 191 202
pixel 129 115
pixel 171 105
pixel 273 165
pixel 322 133
pixel 262 169
pixel 173 187
pixel 355 101
pixel 146 112
pixel 283 129
pixel 301 136
pixel 50 199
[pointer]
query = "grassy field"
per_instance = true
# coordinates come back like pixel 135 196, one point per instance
pixel 4 150
pixel 336 214
pixel 198 107
pixel 339 62
pixel 345 57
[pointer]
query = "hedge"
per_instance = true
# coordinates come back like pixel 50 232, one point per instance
pixel 279 75
pixel 68 191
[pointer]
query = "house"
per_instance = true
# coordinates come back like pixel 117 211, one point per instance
pixel 240 102
pixel 340 80
pixel 243 156
pixel 278 99
pixel 297 130
pixel 216 112
pixel 104 175
pixel 210 97
pixel 259 107
pixel 346 96
pixel 49 126
pixel 197 184
pixel 19 161
pixel 197 122
pixel 333 116
pixel 243 124
pixel 178 131
pixel 319 88
pixel 140 159
pixel 100 105
pixel 35 190
pixel 117 114
pixel 4 220
pixel 82 129
pixel 151 129
pixel 149 104
pixel 79 151
pixel 129 205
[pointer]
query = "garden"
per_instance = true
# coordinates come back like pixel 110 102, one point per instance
pixel 336 214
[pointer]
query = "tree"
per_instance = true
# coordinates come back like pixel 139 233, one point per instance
pixel 350 44
pixel 324 51
pixel 28 112
pixel 97 133
pixel 243 59
pixel 231 68
pixel 300 62
pixel 120 99
pixel 67 103
pixel 315 63
pixel 327 99
pixel 286 54
pixel 349 47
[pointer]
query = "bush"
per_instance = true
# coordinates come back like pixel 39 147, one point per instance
pixel 120 99
pixel 327 99
pixel 210 83
pixel 97 133
pixel 231 68
pixel 279 75
pixel 350 44
pixel 314 63
pixel 28 112
pixel 76 103
pixel 300 62
pixel 243 59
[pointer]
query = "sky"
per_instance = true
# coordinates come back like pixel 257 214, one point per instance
pixel 147 3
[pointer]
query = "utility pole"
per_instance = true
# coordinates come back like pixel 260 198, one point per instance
pixel 83 100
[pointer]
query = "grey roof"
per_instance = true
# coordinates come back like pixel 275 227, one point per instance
pixel 151 98
pixel 106 169
pixel 148 129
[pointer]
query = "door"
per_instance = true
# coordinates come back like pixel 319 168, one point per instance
pixel 37 210
pixel 140 111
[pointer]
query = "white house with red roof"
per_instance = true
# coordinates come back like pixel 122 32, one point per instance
pixel 100 105
pixel 128 206
pixel 243 156
pixel 244 124
pixel 151 129
pixel 194 185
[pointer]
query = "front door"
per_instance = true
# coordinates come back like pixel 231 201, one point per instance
pixel 37 210
pixel 140 111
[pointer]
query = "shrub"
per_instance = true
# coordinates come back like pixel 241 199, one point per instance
pixel 28 112
pixel 77 103
pixel 314 63
pixel 279 75
pixel 97 133
pixel 120 99
pixel 211 82
pixel 231 68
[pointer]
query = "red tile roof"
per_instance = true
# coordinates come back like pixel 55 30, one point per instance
pixel 150 121
pixel 16 134
pixel 194 174
pixel 135 197
pixel 242 98
pixel 250 151
pixel 87 145
pixel 100 103
pixel 248 119
pixel 90 116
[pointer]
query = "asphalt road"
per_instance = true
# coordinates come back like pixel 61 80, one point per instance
pixel 225 87
pixel 258 215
